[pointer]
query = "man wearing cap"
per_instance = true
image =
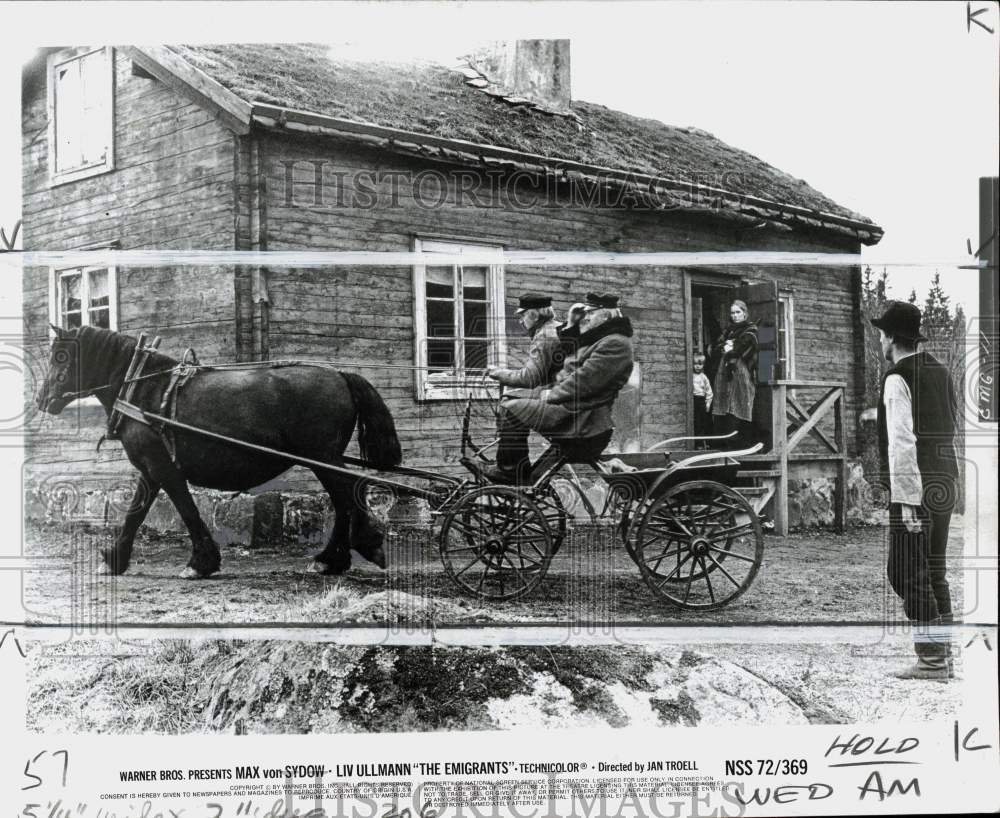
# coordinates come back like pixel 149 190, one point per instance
pixel 917 417
pixel 544 358
pixel 578 406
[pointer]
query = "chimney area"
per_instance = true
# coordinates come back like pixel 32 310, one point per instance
pixel 534 72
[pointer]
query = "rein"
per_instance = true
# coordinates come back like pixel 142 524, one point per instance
pixel 86 393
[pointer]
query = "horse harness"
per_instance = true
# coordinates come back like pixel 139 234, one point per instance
pixel 123 407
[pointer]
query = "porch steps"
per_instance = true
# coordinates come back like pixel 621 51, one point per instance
pixel 758 474
pixel 757 496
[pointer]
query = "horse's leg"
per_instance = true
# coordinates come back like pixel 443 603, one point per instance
pixel 335 558
pixel 116 559
pixel 205 556
pixel 366 539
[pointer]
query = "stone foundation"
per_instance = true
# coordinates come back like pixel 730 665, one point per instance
pixel 811 500
pixel 251 520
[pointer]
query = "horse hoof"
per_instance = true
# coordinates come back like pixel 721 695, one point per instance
pixel 190 573
pixel 103 569
pixel 319 567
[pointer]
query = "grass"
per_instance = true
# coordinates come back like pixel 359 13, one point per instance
pixel 153 694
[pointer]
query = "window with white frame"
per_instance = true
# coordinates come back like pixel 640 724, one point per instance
pixel 81 113
pixel 84 296
pixel 786 335
pixel 459 319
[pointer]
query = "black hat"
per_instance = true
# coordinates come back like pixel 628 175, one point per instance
pixel 533 301
pixel 602 301
pixel 900 320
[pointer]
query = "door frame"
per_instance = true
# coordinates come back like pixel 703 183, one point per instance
pixel 712 278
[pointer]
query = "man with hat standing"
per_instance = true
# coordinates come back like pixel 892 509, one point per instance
pixel 544 359
pixel 578 406
pixel 917 417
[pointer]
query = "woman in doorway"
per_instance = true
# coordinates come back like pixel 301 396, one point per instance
pixel 736 378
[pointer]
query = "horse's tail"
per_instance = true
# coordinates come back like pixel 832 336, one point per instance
pixel 377 436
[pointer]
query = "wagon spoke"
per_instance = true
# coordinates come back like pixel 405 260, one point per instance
pixel 732 555
pixel 690 584
pixel 708 578
pixel 676 569
pixel 517 571
pixel 484 522
pixel 467 530
pixel 722 568
pixel 521 525
pixel 476 548
pixel 664 531
pixel 668 537
pixel 541 554
pixel 729 533
pixel 661 558
pixel 676 521
pixel 523 556
pixel 467 567
pixel 714 510
pixel 482 578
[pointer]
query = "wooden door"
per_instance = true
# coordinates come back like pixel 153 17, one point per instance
pixel 761 298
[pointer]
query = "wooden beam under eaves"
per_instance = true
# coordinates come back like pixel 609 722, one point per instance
pixel 177 73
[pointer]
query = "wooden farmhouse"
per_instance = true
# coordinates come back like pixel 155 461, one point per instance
pixel 292 147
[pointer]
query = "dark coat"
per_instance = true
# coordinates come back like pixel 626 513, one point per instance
pixel 736 379
pixel 579 405
pixel 538 371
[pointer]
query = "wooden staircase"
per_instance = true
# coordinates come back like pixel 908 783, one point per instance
pixel 758 486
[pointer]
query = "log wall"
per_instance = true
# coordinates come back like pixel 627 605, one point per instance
pixel 328 196
pixel 173 187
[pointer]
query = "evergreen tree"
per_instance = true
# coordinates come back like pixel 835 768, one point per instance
pixel 937 317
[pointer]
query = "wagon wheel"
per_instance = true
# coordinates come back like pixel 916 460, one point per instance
pixel 552 507
pixel 699 545
pixel 663 570
pixel 495 543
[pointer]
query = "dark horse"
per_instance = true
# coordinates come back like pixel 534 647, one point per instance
pixel 306 410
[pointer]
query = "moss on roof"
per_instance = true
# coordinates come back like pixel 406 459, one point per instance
pixel 433 99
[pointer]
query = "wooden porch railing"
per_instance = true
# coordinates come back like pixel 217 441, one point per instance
pixel 791 424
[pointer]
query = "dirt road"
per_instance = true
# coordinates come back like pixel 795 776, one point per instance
pixel 812 577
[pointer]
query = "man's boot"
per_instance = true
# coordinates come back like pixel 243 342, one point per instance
pixel 933 657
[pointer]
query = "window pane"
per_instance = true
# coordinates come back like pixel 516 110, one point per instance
pixel 71 286
pixel 440 355
pixel 71 320
pixel 475 356
pixel 440 282
pixel 98 288
pixel 440 319
pixel 100 318
pixel 475 319
pixel 474 282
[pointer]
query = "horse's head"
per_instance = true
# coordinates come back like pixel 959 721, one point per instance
pixel 62 383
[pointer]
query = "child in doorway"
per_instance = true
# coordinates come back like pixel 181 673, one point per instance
pixel 702 392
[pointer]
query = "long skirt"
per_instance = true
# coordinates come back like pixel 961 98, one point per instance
pixel 735 390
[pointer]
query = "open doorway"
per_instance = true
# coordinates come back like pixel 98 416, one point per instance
pixel 709 316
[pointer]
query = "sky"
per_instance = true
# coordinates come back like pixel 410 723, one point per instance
pixel 891 109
